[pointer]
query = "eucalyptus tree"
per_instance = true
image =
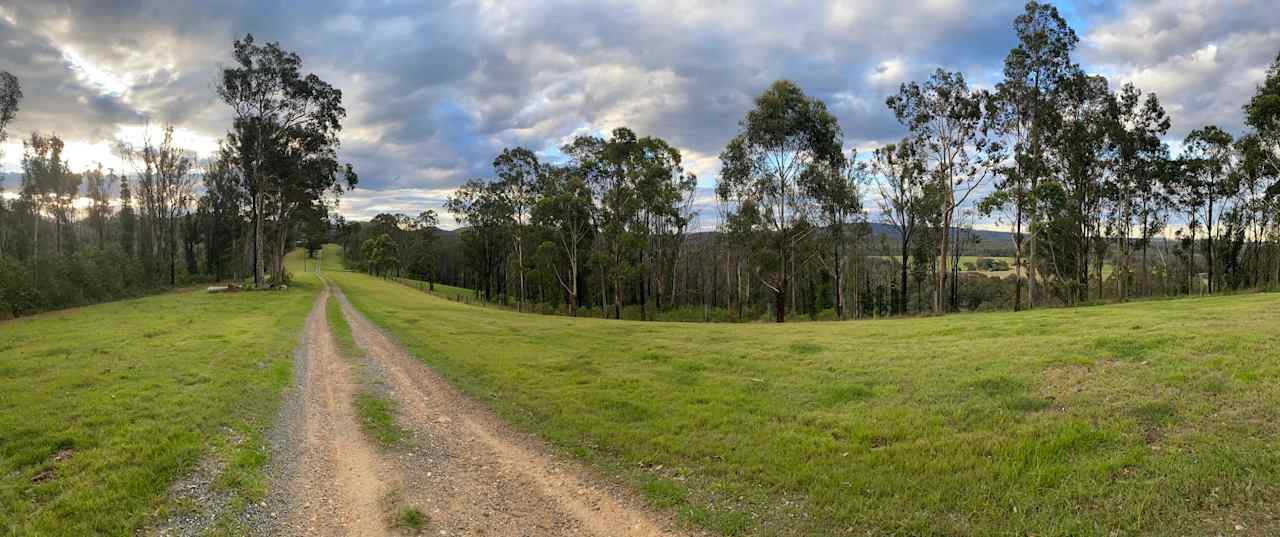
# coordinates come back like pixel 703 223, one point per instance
pixel 380 254
pixel 303 176
pixel 780 139
pixel 1262 113
pixel 837 191
pixel 482 208
pixel 950 125
pixel 128 218
pixel 606 166
pixel 98 189
pixel 636 182
pixel 165 186
pixel 65 193
pixel 1076 202
pixel 1255 175
pixel 664 191
pixel 43 172
pixel 1024 110
pixel 419 254
pixel 518 172
pixel 10 96
pixel 1138 165
pixel 565 211
pixel 901 182
pixel 222 210
pixel 286 133
pixel 1207 154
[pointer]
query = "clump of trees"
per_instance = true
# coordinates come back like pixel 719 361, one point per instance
pixel 77 237
pixel 1099 207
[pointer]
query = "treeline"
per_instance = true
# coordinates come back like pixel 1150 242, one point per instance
pixel 72 237
pixel 1099 207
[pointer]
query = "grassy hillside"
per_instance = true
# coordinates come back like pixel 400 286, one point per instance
pixel 1142 419
pixel 102 407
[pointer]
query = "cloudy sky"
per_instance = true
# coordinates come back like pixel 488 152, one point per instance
pixel 435 89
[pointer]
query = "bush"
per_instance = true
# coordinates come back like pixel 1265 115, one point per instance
pixel 987 264
pixel 88 276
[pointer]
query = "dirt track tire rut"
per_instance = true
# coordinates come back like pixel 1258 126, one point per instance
pixel 335 481
pixel 474 476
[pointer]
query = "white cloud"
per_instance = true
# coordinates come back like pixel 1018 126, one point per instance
pixel 1203 58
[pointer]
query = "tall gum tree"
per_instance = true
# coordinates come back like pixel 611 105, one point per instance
pixel 1208 157
pixel 837 191
pixel 1262 113
pixel 10 96
pixel 901 180
pixel 951 127
pixel 1025 105
pixel 518 172
pixel 564 211
pixel 286 134
pixel 1137 152
pixel 779 140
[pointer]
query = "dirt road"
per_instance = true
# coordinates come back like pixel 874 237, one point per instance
pixel 334 480
pixel 461 466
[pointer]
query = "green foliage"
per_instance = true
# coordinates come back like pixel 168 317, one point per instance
pixel 379 254
pixel 88 276
pixel 785 138
pixel 991 265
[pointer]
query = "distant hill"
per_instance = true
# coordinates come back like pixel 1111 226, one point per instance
pixel 990 243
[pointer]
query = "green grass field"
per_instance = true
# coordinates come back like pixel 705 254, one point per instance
pixel 103 407
pixel 1153 418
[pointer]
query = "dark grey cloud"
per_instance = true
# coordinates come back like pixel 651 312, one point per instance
pixel 435 89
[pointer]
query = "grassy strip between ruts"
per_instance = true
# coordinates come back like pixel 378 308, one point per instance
pixel 103 407
pixel 376 408
pixel 1151 418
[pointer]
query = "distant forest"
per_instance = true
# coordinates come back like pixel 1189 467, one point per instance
pixel 1098 206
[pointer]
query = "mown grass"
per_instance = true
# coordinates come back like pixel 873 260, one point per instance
pixel 1154 418
pixel 375 407
pixel 103 407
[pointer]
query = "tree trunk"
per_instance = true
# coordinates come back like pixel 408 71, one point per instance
pixel 1031 265
pixel 35 245
pixel 780 304
pixel 906 252
pixel 941 276
pixel 173 251
pixel 257 240
pixel 617 297
pixel 1017 257
pixel 520 267
pixel 573 295
pixel 1209 229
